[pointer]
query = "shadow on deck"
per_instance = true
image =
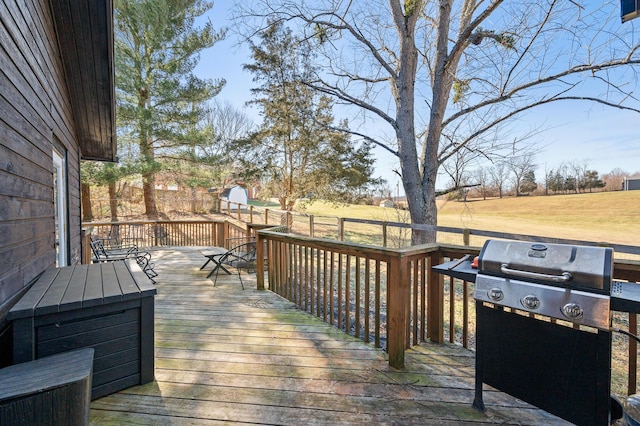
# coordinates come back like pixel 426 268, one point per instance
pixel 225 355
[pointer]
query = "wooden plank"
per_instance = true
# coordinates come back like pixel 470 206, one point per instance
pixel 112 360
pixel 106 335
pixel 110 286
pixel 126 282
pixel 93 295
pixel 91 323
pixel 27 304
pixel 143 283
pixel 74 293
pixel 50 301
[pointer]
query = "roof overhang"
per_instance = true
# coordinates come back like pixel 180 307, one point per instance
pixel 85 36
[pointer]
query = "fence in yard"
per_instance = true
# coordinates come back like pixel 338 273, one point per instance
pixel 391 234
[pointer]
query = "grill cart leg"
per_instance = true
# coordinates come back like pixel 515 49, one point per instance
pixel 478 403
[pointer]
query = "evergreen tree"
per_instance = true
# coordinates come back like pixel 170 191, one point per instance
pixel 528 184
pixel 591 181
pixel 159 98
pixel 295 151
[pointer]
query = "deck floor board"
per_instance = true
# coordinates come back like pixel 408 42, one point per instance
pixel 224 355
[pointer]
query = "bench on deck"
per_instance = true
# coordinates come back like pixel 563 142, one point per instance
pixel 54 390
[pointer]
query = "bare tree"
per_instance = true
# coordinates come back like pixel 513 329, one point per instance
pixel 520 166
pixel 578 169
pixel 499 174
pixel 482 177
pixel 613 180
pixel 450 75
pixel 229 125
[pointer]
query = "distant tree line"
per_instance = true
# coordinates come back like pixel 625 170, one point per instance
pixel 516 176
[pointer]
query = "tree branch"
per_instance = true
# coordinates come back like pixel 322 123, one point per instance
pixel 555 77
pixel 530 106
pixel 324 87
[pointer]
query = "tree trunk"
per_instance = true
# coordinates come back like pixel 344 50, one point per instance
pixel 403 89
pixel 87 213
pixel 194 195
pixel 113 201
pixel 149 191
pixel 148 176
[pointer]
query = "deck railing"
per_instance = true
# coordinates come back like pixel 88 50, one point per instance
pixel 390 297
pixel 159 233
pixel 386 296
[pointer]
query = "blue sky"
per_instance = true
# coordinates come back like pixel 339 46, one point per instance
pixel 603 137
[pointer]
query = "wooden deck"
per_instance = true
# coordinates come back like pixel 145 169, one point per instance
pixel 224 355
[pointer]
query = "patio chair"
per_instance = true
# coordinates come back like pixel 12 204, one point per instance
pixel 110 237
pixel 159 235
pixel 114 254
pixel 241 257
pixel 134 235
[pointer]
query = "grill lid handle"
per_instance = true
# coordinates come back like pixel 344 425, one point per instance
pixel 566 276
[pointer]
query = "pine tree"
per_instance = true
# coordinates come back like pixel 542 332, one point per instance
pixel 296 151
pixel 159 99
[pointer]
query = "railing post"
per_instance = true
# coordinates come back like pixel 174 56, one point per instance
pixel 398 292
pixel 435 301
pixel 222 230
pixel 341 229
pixel 633 355
pixel 214 233
pixel 85 246
pixel 260 260
pixel 251 214
pixel 311 226
pixel 384 234
pixel 466 235
pixel 266 216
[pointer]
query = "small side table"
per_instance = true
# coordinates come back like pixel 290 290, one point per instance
pixel 212 255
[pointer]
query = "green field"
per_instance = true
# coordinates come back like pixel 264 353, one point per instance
pixel 612 217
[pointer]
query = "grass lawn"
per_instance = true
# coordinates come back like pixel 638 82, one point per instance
pixel 612 217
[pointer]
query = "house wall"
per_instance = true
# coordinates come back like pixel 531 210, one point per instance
pixel 35 113
pixel 631 184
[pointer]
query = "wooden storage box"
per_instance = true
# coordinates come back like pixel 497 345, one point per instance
pixel 104 306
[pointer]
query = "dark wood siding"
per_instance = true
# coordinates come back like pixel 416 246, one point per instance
pixel 35 110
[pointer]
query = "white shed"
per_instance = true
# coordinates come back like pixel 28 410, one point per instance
pixel 230 198
pixel 386 203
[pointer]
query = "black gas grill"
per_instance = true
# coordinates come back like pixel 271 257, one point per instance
pixel 570 283
pixel 553 347
pixel 543 317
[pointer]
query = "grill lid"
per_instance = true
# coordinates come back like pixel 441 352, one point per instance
pixel 581 267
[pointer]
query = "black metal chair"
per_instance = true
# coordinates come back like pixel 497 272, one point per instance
pixel 159 235
pixel 113 254
pixel 241 257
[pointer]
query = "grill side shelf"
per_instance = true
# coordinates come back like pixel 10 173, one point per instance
pixel 462 271
pixel 625 297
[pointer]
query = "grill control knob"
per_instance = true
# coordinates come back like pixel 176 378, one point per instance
pixel 530 302
pixel 572 311
pixel 495 294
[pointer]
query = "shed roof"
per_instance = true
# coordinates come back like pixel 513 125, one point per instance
pixel 85 36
